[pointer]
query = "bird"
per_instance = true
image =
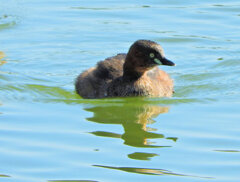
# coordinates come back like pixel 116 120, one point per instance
pixel 127 75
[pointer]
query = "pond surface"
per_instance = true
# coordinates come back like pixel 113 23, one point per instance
pixel 48 133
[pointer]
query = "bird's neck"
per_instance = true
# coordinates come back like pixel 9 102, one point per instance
pixel 130 70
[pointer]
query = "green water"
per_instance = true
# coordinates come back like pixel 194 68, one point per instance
pixel 48 133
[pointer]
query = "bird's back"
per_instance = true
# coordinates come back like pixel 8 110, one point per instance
pixel 93 82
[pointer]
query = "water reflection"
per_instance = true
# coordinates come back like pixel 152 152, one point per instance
pixel 148 171
pixel 110 9
pixel 142 170
pixel 2 55
pixel 4 176
pixel 1 105
pixel 141 155
pixel 228 151
pixel 7 21
pixel 134 118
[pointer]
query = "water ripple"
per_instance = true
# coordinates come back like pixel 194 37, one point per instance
pixel 3 175
pixel 149 171
pixel 7 21
pixel 111 9
pixel 72 181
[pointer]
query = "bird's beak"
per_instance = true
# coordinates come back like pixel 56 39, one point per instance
pixel 167 62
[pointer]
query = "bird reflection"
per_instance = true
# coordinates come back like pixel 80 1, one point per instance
pixel 4 176
pixel 150 171
pixel 134 118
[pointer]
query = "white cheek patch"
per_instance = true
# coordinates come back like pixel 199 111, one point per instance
pixel 157 61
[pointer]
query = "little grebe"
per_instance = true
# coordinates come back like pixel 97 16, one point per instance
pixel 132 74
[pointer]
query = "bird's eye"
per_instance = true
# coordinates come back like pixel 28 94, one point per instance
pixel 151 55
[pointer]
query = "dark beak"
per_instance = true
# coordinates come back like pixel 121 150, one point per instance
pixel 167 62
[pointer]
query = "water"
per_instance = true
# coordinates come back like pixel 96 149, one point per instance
pixel 48 133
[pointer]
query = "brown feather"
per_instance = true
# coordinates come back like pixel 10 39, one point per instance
pixel 126 75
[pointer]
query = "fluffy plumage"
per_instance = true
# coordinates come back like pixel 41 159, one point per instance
pixel 132 74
